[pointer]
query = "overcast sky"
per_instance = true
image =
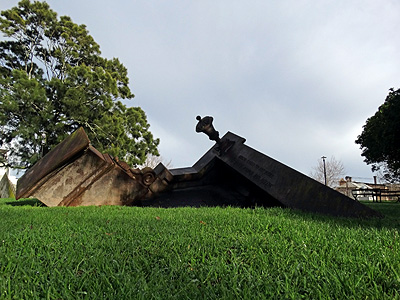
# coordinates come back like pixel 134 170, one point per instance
pixel 296 78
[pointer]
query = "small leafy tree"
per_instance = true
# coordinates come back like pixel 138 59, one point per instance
pixel 380 138
pixel 334 170
pixel 53 81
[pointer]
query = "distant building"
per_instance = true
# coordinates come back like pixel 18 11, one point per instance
pixel 347 185
pixel 365 191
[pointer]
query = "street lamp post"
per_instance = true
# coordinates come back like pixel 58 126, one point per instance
pixel 323 159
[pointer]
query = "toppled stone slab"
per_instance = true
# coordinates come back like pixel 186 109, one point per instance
pixel 74 173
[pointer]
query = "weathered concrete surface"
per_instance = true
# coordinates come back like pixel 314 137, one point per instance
pixel 290 187
pixel 64 152
pixel 212 184
pixel 75 174
pixel 7 188
pixel 230 173
pixel 247 178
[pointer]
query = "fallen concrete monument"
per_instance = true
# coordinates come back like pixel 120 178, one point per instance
pixel 230 173
pixel 74 173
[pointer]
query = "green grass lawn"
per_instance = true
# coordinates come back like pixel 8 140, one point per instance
pixel 195 253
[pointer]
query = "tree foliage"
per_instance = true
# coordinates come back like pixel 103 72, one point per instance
pixel 333 168
pixel 53 81
pixel 380 138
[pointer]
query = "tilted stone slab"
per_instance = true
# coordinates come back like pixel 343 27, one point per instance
pixel 74 173
pixel 290 187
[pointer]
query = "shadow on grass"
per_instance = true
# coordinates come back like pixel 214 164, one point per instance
pixel 391 220
pixel 28 202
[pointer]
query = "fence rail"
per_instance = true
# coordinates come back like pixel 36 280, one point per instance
pixel 377 194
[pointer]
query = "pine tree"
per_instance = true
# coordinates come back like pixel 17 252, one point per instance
pixel 53 80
